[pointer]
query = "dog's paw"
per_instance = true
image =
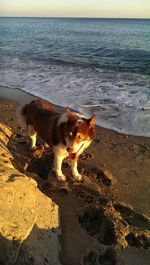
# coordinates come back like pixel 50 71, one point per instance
pixel 61 177
pixel 78 178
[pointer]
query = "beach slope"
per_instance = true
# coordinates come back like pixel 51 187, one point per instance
pixel 104 220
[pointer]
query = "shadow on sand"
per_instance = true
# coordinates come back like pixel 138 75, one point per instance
pixel 40 247
pixel 95 229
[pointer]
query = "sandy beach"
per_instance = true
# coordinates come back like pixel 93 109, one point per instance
pixel 105 219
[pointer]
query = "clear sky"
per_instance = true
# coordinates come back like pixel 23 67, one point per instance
pixel 76 8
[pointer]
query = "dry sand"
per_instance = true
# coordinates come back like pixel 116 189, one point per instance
pixel 105 219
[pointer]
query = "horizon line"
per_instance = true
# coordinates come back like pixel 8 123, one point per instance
pixel 67 17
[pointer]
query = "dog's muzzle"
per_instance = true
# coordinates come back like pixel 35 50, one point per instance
pixel 72 155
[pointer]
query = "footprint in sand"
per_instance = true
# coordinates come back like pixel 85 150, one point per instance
pixel 96 224
pixel 138 241
pixel 139 235
pixel 132 217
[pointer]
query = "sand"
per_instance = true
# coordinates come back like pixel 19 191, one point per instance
pixel 105 219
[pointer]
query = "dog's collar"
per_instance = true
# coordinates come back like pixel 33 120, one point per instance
pixel 72 156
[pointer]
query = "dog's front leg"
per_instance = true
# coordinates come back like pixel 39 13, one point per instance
pixel 58 159
pixel 74 167
pixel 32 133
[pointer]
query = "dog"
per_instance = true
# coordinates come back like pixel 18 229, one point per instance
pixel 68 133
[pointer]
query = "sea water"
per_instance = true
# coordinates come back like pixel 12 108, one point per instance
pixel 97 66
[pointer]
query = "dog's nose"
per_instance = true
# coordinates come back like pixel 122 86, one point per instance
pixel 69 149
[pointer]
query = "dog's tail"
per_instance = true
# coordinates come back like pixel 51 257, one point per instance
pixel 21 115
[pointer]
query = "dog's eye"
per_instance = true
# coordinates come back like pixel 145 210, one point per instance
pixel 79 136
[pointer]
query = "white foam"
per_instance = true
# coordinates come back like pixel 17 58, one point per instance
pixel 117 99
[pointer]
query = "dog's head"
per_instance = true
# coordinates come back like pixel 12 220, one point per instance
pixel 79 132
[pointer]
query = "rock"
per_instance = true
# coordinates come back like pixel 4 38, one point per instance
pixel 28 218
pixel 18 214
pixel 42 245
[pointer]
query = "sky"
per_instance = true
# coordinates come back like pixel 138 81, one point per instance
pixel 76 8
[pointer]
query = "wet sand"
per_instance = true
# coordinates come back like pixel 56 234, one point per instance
pixel 105 219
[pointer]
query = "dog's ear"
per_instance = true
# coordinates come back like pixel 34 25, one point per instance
pixel 71 116
pixel 91 121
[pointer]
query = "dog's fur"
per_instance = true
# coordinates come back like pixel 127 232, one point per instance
pixel 69 133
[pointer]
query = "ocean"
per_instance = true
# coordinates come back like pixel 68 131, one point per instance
pixel 97 66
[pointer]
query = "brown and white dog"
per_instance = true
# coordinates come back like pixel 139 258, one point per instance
pixel 69 133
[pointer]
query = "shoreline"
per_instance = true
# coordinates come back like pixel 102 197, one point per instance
pixel 21 96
